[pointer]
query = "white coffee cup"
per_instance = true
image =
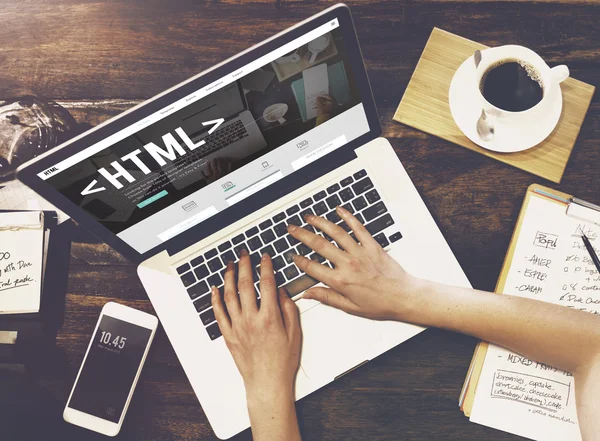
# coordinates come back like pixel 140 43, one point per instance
pixel 275 112
pixel 317 46
pixel 549 78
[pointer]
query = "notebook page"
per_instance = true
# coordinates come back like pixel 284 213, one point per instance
pixel 21 252
pixel 550 263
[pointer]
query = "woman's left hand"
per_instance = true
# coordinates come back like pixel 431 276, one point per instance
pixel 264 340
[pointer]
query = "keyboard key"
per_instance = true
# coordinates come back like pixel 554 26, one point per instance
pixel 309 228
pixel 332 189
pixel 317 257
pixel 306 203
pixel 237 239
pixel 349 207
pixel 362 186
pixel 303 250
pixel 359 203
pixel 320 195
pixel 292 210
pixel 381 240
pixel 207 317
pixel 379 224
pixel 332 216
pixel 278 263
pixel 280 229
pixel 289 255
pixel 279 279
pixel 346 194
pixel 214 280
pixel 238 249
pixel 290 272
pixel 210 254
pixel 197 261
pixel 213 331
pixel 345 226
pixel 199 289
pixel 215 264
pixel 228 257
pixel 374 211
pixel 333 201
pixel 255 243
pixel 224 246
pixel 299 285
pixel 203 303
pixel 292 240
pixel 305 213
pixel 265 224
pixel 372 196
pixel 268 250
pixel 346 181
pixel 183 268
pixel 251 232
pixel 201 272
pixel 359 218
pixel 360 174
pixel 395 237
pixel 281 245
pixel 321 209
pixel 279 217
pixel 255 259
pixel 267 236
pixel 295 220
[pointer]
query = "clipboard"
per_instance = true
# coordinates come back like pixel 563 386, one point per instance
pixel 574 207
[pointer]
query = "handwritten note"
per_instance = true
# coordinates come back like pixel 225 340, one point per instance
pixel 316 83
pixel 550 263
pixel 21 255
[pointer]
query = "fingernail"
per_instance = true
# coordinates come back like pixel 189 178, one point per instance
pixel 341 210
pixel 309 217
pixel 264 256
pixel 213 290
pixel 296 256
pixel 291 227
pixel 244 252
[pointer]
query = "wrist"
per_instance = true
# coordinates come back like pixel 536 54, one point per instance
pixel 262 398
pixel 411 300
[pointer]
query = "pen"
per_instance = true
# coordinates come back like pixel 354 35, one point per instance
pixel 590 249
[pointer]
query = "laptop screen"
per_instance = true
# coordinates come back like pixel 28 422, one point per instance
pixel 205 152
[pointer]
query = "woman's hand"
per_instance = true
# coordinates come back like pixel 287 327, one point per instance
pixel 366 281
pixel 264 341
pixel 265 344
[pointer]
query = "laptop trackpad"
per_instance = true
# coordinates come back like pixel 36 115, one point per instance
pixel 333 341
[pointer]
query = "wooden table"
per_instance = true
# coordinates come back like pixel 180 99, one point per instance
pixel 99 58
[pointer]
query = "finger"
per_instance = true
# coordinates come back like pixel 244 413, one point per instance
pixel 318 243
pixel 359 230
pixel 330 297
pixel 268 286
pixel 289 313
pixel 336 232
pixel 232 300
pixel 315 270
pixel 246 284
pixel 220 313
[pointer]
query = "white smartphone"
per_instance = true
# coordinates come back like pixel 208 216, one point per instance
pixel 110 369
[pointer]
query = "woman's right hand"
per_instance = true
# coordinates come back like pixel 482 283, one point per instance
pixel 366 281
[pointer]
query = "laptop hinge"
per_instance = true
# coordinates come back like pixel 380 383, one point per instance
pixel 351 369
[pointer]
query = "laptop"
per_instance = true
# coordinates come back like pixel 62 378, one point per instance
pixel 182 236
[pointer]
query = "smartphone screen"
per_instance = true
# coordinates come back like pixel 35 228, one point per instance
pixel 110 368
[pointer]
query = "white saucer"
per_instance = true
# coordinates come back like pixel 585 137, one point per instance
pixel 466 110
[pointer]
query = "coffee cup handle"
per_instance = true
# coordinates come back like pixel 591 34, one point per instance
pixel 560 73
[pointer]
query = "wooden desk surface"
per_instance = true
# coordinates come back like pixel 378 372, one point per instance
pixel 100 58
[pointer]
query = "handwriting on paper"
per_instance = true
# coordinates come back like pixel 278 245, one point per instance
pixel 545 240
pixel 14 273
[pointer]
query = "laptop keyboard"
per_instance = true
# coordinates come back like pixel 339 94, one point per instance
pixel 356 193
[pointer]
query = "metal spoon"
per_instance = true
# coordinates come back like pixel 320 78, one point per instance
pixel 485 129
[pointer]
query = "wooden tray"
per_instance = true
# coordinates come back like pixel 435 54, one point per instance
pixel 424 106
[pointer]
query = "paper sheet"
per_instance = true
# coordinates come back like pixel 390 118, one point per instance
pixel 21 255
pixel 550 263
pixel 15 195
pixel 316 83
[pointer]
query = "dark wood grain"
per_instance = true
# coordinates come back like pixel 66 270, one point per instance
pixel 102 57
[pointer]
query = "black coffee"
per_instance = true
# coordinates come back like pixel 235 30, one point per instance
pixel 511 85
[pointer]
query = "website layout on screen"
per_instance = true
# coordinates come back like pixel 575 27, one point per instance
pixel 211 149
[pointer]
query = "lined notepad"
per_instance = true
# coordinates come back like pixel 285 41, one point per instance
pixel 550 263
pixel 21 261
